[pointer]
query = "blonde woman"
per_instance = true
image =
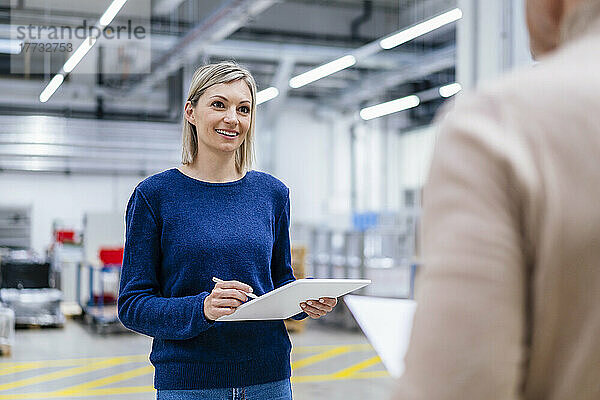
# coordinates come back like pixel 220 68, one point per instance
pixel 211 217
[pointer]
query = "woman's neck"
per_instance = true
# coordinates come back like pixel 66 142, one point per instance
pixel 211 169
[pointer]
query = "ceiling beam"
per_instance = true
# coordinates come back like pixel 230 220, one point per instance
pixel 87 167
pixel 217 26
pixel 280 81
pixel 303 53
pixel 273 109
pixel 374 85
pixel 163 7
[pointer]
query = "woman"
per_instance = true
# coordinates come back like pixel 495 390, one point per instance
pixel 212 217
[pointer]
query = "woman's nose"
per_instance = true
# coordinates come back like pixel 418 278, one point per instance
pixel 231 117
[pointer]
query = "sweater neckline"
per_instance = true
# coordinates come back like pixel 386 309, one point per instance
pixel 205 183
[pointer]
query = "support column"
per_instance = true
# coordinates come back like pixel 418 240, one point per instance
pixel 271 113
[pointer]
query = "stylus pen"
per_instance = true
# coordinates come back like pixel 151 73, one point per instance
pixel 217 280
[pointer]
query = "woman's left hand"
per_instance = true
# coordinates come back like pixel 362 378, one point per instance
pixel 317 308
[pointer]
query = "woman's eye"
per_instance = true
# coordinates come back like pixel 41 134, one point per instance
pixel 218 104
pixel 245 109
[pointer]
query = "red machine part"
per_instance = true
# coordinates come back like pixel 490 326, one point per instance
pixel 111 255
pixel 62 236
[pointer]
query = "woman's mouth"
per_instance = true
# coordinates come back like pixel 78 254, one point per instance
pixel 227 133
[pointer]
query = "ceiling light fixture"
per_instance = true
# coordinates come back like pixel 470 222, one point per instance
pixel 450 90
pixel 390 107
pixel 386 43
pixel 111 12
pixel 8 46
pixel 106 18
pixel 420 29
pixel 51 88
pixel 322 71
pixel 266 95
pixel 78 55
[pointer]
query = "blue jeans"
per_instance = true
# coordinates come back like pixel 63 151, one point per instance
pixel 280 390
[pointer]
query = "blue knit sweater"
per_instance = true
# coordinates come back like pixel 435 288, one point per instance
pixel 180 233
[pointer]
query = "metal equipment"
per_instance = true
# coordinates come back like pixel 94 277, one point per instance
pixel 380 247
pixel 26 288
pixel 7 330
pixel 39 307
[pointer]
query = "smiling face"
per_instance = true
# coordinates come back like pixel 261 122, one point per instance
pixel 222 117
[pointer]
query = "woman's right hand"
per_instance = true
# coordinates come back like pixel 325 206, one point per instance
pixel 225 298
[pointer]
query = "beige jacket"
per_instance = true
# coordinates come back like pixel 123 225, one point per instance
pixel 509 293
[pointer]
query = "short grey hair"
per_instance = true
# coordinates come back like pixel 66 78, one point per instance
pixel 205 77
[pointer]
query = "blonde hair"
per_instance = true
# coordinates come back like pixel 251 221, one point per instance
pixel 205 77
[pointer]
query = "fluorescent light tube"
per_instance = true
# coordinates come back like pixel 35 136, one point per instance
pixel 450 90
pixel 8 46
pixel 389 107
pixel 266 95
pixel 51 88
pixel 111 12
pixel 81 51
pixel 322 71
pixel 420 29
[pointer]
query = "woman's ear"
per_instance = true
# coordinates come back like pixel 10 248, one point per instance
pixel 189 113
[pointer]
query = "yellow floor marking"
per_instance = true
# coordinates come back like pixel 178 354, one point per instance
pixel 43 364
pixel 332 377
pixel 117 390
pixel 26 396
pixel 66 372
pixel 60 363
pixel 312 378
pixel 94 392
pixel 357 367
pixel 370 374
pixel 92 388
pixel 5 365
pixel 150 389
pixel 321 357
pixel 18 368
pixel 313 349
pixel 148 369
pixel 144 357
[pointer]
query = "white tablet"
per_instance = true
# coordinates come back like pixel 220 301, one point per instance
pixel 284 302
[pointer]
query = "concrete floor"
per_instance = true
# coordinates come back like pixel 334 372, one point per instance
pixel 74 363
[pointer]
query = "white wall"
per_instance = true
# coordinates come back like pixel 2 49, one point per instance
pixel 390 162
pixel 312 158
pixel 339 167
pixel 313 152
pixel 369 159
pixel 415 149
pixel 61 197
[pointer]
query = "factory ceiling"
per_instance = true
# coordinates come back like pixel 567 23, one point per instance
pixel 146 80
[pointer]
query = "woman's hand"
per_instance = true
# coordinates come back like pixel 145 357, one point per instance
pixel 317 308
pixel 225 298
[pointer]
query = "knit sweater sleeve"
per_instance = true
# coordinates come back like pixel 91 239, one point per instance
pixel 141 305
pixel 281 265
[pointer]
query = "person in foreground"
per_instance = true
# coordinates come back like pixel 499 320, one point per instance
pixel 213 217
pixel 510 286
